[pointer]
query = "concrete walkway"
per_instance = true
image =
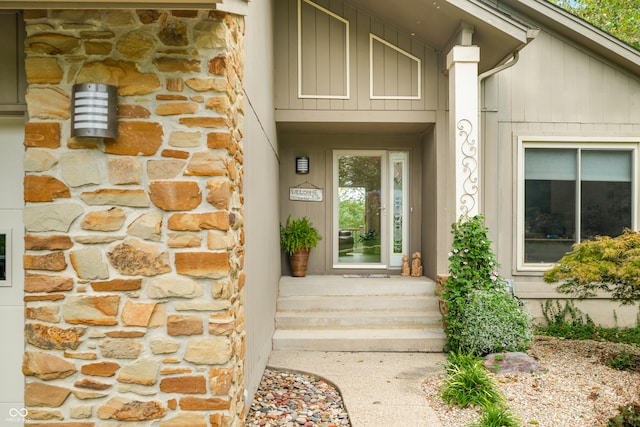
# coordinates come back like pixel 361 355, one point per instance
pixel 379 389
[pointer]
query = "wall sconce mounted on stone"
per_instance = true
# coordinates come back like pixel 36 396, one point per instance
pixel 94 110
pixel 302 165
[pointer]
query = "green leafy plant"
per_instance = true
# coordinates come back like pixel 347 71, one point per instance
pixel 625 361
pixel 494 321
pixel 472 268
pixel 497 415
pixel 298 234
pixel 628 416
pixel 605 264
pixel 569 321
pixel 468 383
pixel 621 18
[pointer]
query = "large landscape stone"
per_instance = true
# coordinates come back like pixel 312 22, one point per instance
pixel 512 363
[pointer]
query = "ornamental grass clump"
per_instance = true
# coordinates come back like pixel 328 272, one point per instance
pixel 474 278
pixel 468 382
pixel 497 416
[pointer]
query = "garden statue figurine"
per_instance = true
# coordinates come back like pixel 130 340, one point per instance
pixel 416 264
pixel 405 266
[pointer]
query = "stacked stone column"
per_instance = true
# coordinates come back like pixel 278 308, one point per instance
pixel 134 246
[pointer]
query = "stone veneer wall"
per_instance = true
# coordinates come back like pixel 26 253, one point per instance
pixel 134 246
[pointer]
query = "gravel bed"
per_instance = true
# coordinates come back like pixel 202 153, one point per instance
pixel 578 390
pixel 291 399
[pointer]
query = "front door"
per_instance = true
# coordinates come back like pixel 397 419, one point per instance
pixel 370 212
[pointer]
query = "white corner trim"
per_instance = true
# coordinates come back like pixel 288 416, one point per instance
pixel 347 56
pixel 373 38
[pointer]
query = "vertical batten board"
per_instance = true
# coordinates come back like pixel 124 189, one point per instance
pixel 542 86
pixel 517 109
pixel 306 72
pixel 432 79
pixel 340 55
pixel 9 76
pixel 377 28
pixel 362 61
pixel 287 55
pixel 390 64
pixel 596 83
pixel 576 84
pixel 351 14
pixel 324 47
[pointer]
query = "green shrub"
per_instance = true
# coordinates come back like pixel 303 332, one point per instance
pixel 468 383
pixel 628 416
pixel 605 264
pixel 494 321
pixel 625 361
pixel 472 266
pixel 497 416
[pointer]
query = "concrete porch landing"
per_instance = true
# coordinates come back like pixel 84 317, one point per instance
pixel 336 313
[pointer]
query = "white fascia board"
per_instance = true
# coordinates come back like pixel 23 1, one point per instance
pixel 587 34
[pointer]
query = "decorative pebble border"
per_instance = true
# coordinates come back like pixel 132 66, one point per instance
pixel 296 399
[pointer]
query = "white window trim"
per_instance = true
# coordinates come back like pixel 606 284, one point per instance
pixel 347 76
pixel 605 143
pixel 373 38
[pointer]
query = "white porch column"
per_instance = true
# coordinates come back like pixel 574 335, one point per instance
pixel 462 63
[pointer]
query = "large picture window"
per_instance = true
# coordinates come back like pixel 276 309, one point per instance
pixel 571 193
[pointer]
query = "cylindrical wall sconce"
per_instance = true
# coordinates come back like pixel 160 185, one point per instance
pixel 94 110
pixel 302 165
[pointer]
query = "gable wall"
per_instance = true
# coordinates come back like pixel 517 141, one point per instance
pixel 555 89
pixel 326 78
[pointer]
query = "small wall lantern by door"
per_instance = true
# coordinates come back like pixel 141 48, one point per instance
pixel 94 110
pixel 302 165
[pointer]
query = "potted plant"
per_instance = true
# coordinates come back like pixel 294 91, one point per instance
pixel 297 238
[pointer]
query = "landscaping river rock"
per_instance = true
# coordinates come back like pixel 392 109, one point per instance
pixel 292 399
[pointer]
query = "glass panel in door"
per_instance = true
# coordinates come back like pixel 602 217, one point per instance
pixel 399 242
pixel 360 196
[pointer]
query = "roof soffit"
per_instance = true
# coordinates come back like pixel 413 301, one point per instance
pixel 437 23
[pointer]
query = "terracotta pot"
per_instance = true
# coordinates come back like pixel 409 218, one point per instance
pixel 298 261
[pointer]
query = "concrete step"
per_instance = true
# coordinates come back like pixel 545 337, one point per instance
pixel 338 285
pixel 375 340
pixel 397 319
pixel 341 303
pixel 336 313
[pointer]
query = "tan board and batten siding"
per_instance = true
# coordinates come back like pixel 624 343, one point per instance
pixel 323 62
pixel 556 90
pixel 339 95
